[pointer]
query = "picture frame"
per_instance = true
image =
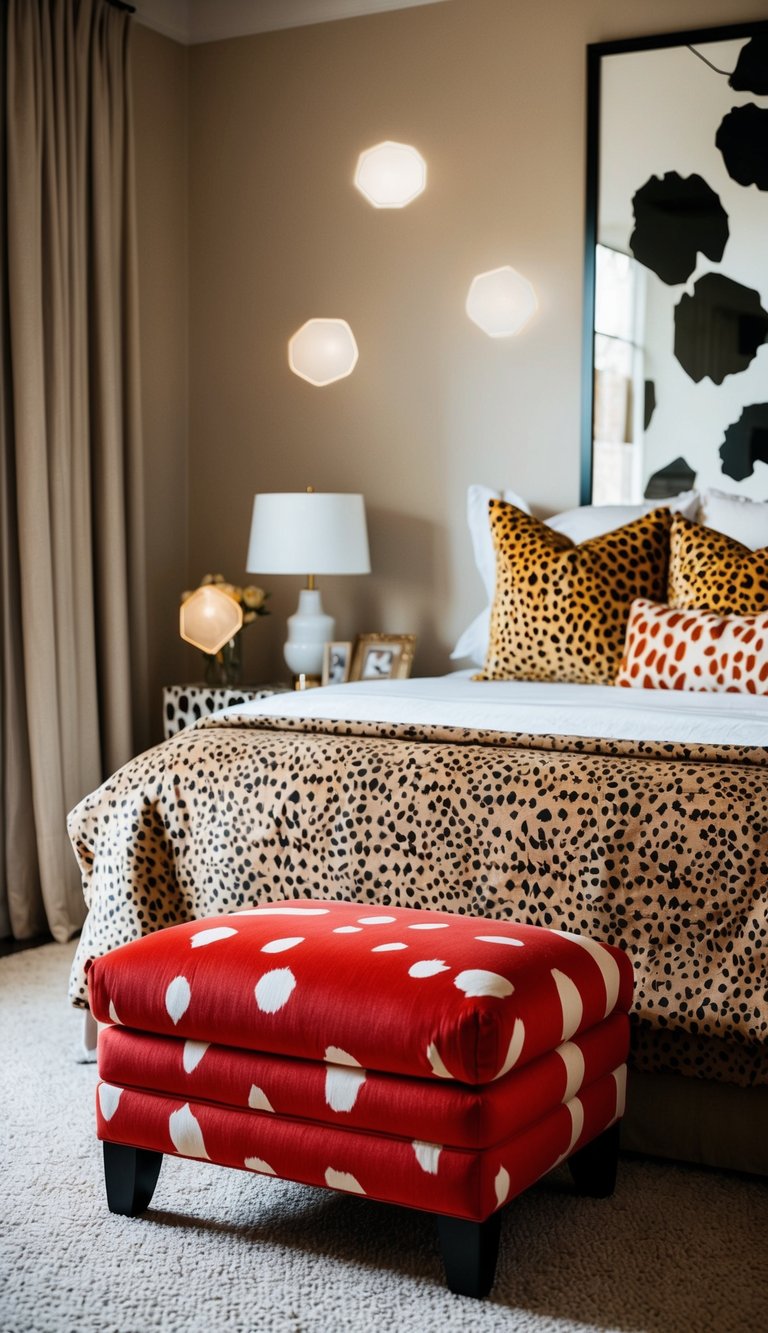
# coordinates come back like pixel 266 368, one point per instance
pixel 383 656
pixel 337 661
pixel 675 303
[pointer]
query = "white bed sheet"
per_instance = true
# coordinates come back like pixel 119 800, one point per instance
pixel 533 707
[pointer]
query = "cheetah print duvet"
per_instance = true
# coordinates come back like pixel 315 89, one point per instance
pixel 660 849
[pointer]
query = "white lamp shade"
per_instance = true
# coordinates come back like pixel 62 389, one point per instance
pixel 209 618
pixel 323 351
pixel 391 175
pixel 308 533
pixel 501 302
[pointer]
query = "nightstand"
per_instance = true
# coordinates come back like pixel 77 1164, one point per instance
pixel 185 704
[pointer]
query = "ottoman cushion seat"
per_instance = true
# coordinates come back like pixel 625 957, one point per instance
pixel 428 994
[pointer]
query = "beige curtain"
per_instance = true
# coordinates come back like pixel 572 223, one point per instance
pixel 71 543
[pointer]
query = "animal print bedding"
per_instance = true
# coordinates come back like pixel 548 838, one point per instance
pixel 661 849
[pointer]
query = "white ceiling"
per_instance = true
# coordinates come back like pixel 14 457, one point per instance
pixel 191 21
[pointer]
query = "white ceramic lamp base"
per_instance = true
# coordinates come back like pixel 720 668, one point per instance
pixel 309 629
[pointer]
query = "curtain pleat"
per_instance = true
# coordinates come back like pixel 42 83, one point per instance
pixel 73 659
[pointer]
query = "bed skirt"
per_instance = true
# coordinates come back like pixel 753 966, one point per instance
pixel 696 1120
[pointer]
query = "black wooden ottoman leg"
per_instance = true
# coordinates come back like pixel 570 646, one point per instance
pixel 470 1250
pixel 593 1167
pixel 130 1175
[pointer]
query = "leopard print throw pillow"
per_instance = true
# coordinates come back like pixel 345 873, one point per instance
pixel 711 572
pixel 560 611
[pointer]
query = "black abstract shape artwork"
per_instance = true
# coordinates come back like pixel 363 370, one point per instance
pixel 675 217
pixel 719 329
pixel 677 476
pixel 751 72
pixel 746 442
pixel 743 141
pixel 649 403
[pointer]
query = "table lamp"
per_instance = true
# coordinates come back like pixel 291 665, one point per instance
pixel 293 533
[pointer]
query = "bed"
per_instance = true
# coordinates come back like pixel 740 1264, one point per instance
pixel 637 816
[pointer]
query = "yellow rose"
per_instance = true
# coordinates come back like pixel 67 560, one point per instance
pixel 206 579
pixel 227 588
pixel 184 596
pixel 253 598
pixel 249 617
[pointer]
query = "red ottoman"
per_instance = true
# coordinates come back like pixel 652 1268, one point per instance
pixel 439 1061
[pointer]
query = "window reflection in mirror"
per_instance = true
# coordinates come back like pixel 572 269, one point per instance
pixel 619 377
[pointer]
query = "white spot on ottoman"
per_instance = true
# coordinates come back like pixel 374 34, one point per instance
pixel 570 1003
pixel 258 1164
pixel 186 1134
pixel 620 1078
pixel 501 1185
pixel 573 1060
pixel 113 1013
pixel 576 1112
pixel 435 1060
pixel 274 990
pixel 335 1056
pixel 342 1180
pixel 258 1100
pixel 342 1086
pixel 211 935
pixel 607 964
pixel 428 967
pixel 387 948
pixel 376 920
pixel 283 911
pixel 279 946
pixel 476 981
pixel 515 1047
pixel 109 1098
pixel 427 1155
pixel 431 925
pixel 499 939
pixel 177 998
pixel 192 1054
pixel 348 930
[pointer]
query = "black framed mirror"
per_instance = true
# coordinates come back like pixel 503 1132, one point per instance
pixel 675 383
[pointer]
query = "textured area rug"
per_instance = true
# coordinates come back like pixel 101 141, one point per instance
pixel 676 1249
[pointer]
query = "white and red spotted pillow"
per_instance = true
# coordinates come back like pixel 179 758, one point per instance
pixel 669 649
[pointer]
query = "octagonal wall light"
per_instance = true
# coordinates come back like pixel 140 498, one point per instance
pixel 209 618
pixel 391 175
pixel 322 351
pixel 501 301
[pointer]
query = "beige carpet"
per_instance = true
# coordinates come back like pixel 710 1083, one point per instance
pixel 676 1249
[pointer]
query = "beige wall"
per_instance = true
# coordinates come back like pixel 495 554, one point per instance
pixel 159 87
pixel 492 92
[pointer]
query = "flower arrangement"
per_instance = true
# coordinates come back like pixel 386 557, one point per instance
pixel 225 666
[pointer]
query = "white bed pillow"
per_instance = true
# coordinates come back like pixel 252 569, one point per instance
pixel 478 499
pixel 588 521
pixel 580 525
pixel 736 516
pixel 471 645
